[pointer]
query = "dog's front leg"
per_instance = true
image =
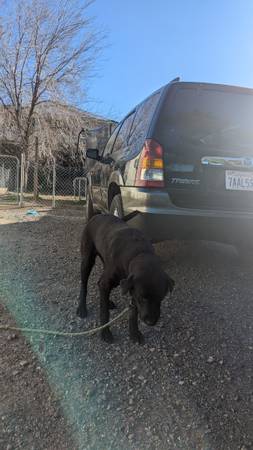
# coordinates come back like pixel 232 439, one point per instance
pixel 88 262
pixel 82 309
pixel 105 289
pixel 135 334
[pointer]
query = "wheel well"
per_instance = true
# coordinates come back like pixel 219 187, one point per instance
pixel 113 190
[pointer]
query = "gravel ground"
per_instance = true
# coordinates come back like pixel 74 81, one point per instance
pixel 188 387
pixel 25 397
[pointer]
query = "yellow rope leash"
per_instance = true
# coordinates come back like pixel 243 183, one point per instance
pixel 62 333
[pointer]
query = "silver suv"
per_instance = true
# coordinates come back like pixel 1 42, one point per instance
pixel 182 163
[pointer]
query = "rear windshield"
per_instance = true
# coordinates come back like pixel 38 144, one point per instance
pixel 208 117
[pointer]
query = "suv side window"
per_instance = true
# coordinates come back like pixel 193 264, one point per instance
pixel 122 138
pixel 141 123
pixel 111 140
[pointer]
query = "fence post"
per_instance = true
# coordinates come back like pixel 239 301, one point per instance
pixel 22 176
pixel 17 181
pixel 54 183
pixel 36 169
pixel 79 190
pixel 85 187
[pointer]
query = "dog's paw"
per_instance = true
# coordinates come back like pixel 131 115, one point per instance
pixel 106 336
pixel 111 305
pixel 82 312
pixel 137 338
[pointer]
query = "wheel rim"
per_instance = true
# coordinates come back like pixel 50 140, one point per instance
pixel 116 212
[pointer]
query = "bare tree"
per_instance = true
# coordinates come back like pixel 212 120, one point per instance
pixel 47 51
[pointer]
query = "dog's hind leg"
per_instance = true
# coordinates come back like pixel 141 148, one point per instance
pixel 105 287
pixel 88 261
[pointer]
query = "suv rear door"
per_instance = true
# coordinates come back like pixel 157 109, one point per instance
pixel 207 134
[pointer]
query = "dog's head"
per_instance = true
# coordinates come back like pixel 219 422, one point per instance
pixel 147 292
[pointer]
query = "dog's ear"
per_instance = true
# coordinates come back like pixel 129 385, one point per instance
pixel 126 284
pixel 171 284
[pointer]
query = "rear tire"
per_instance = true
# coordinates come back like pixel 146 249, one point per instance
pixel 116 207
pixel 89 210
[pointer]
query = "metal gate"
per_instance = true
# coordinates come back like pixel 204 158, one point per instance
pixel 9 179
pixel 32 184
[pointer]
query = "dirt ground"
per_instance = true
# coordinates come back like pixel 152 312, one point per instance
pixel 26 398
pixel 188 387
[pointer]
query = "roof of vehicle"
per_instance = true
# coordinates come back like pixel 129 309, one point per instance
pixel 177 82
pixel 211 85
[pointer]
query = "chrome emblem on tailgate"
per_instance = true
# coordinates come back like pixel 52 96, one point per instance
pixel 228 162
pixel 184 181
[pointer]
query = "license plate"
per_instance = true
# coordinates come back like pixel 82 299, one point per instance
pixel 239 181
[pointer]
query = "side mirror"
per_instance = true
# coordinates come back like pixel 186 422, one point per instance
pixel 93 153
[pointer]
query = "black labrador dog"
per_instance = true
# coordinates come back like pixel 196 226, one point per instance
pixel 129 261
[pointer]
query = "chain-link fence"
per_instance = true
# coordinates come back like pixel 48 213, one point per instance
pixel 37 182
pixel 70 186
pixel 9 179
pixel 34 184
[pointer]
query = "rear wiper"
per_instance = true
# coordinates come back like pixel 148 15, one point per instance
pixel 217 132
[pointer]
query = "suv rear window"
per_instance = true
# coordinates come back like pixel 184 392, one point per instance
pixel 208 117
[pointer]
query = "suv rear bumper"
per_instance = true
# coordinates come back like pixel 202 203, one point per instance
pixel 160 220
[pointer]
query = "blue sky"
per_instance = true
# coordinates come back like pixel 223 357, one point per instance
pixel 151 42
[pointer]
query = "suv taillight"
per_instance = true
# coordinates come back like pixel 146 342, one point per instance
pixel 150 165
